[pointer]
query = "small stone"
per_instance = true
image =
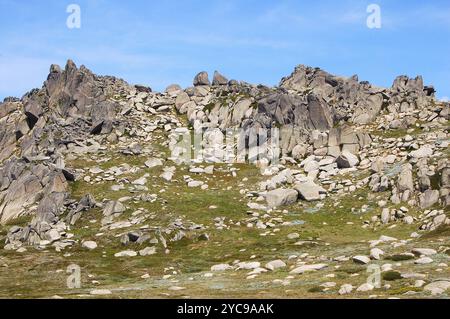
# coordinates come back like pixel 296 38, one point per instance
pixel 424 261
pixel 365 287
pixel 329 284
pixel 308 268
pixel 281 197
pixel 154 162
pixel 126 253
pixel 424 251
pixel 375 253
pixel 385 215
pixel 361 259
pixel 408 220
pixel 140 182
pixel 438 287
pixel 89 245
pixel 221 267
pixel 293 236
pixel 248 265
pixel 347 160
pixel 345 289
pixel 148 251
pixel 419 283
pixel 100 292
pixel 275 264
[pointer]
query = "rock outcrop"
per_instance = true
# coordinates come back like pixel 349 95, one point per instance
pixel 38 130
pixel 315 113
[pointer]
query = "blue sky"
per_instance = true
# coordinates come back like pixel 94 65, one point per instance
pixel 162 42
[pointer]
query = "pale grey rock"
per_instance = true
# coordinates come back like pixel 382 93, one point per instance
pixel 219 79
pixel 154 162
pixel 376 253
pixel 91 245
pixel 201 79
pixel 53 235
pixel 113 207
pixel 423 152
pixel 275 264
pixel 221 267
pixel 428 198
pixel 140 181
pixel 248 265
pixel 308 268
pixel 385 215
pixel 126 253
pixel 365 287
pixel 345 289
pixel 147 251
pixel 281 197
pixel 173 88
pixel 361 260
pixel 309 191
pixel 424 251
pixel 299 152
pixel 405 179
pixel 438 287
pixel 347 160
pixel 100 292
pixel 423 261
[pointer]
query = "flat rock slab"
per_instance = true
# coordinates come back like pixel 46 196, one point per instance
pixel 281 197
pixel 100 292
pixel 309 191
pixel 361 260
pixel 126 253
pixel 438 287
pixel 308 268
pixel 424 251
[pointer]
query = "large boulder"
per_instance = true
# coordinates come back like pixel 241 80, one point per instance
pixel 347 160
pixel 405 179
pixel 201 79
pixel 423 152
pixel 219 79
pixel 428 198
pixel 173 88
pixel 281 197
pixel 309 191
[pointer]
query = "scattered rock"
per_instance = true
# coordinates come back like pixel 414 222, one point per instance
pixel 100 292
pixel 437 287
pixel 275 264
pixel 91 245
pixel 147 251
pixel 309 191
pixel 201 79
pixel 126 253
pixel 221 267
pixel 376 253
pixel 308 268
pixel 361 260
pixel 281 197
pixel 345 289
pixel 424 251
pixel 347 160
pixel 424 261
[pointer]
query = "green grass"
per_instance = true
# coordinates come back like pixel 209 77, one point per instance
pixel 326 232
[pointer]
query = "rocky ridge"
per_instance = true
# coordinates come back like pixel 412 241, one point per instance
pixel 338 137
